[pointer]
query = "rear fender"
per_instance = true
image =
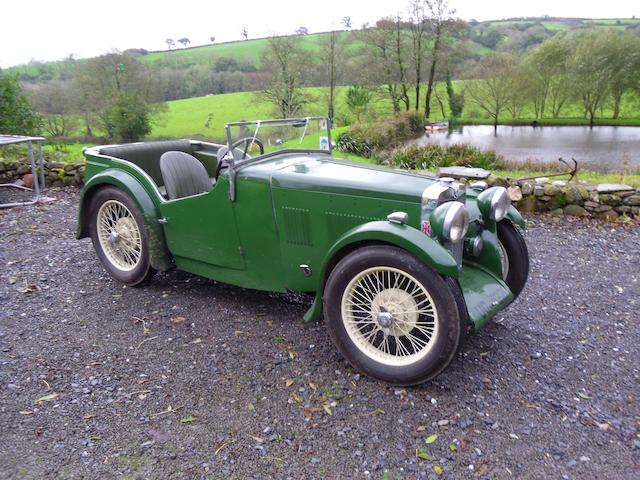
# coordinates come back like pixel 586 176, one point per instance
pixel 159 256
pixel 408 238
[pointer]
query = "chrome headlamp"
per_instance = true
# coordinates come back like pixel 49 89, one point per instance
pixel 494 203
pixel 450 221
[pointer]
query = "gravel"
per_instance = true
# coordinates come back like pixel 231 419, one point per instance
pixel 189 378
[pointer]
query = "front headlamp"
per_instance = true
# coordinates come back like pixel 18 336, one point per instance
pixel 450 221
pixel 494 203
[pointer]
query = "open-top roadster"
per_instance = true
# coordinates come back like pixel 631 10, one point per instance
pixel 402 265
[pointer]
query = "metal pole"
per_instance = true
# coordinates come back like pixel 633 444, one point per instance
pixel 42 186
pixel 34 172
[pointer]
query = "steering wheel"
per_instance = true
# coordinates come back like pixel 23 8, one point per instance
pixel 247 141
pixel 223 152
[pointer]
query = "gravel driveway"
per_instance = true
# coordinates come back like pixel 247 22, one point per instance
pixel 188 378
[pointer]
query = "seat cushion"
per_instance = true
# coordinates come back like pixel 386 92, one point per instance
pixel 183 175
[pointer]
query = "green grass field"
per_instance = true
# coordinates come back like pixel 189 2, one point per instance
pixel 247 50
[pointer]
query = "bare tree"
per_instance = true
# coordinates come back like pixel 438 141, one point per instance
pixel 492 84
pixel 212 39
pixel 439 15
pixel 286 64
pixel 184 41
pixel 346 22
pixel 302 31
pixel 378 58
pixel 56 100
pixel 170 43
pixel 245 33
pixel 418 31
pixel 332 47
pixel 400 53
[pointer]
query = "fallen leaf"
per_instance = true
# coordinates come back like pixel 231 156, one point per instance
pixel 327 409
pixel 453 447
pixel 422 454
pixel 197 340
pixel 296 397
pixel 583 395
pixel 25 412
pixel 514 436
pixel 47 398
pixel 279 339
pixel 289 382
pixel 188 419
pixel 438 469
pixel 292 354
pixel 431 438
pixel 313 386
pixel 376 413
pixel 95 438
pixel 178 319
pixel 258 439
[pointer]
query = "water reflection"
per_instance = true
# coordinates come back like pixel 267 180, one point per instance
pixel 600 148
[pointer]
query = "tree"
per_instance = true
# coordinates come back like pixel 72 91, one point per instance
pixel 128 117
pixel 492 85
pixel 245 33
pixel 378 58
pixel 400 49
pixel 332 48
pixel 418 31
pixel 170 43
pixel 456 100
pixel 286 65
pixel 16 114
pixel 56 100
pixel 302 31
pixel 590 75
pixel 106 85
pixel 184 41
pixel 358 100
pixel 346 22
pixel 213 39
pixel 623 64
pixel 440 15
pixel 547 73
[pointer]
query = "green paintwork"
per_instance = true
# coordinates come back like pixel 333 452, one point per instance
pixel 294 209
pixel 485 294
pixel 515 217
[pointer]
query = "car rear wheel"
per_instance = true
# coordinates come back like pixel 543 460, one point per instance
pixel 119 237
pixel 514 257
pixel 391 316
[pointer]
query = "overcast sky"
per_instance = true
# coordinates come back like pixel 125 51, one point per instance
pixel 53 29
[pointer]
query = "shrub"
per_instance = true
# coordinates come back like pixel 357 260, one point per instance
pixel 367 140
pixel 433 156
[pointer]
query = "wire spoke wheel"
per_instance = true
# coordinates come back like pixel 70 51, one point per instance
pixel 504 260
pixel 390 316
pixel 119 235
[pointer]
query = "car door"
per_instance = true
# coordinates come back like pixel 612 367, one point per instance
pixel 202 228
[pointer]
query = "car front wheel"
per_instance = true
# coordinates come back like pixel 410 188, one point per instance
pixel 119 237
pixel 514 257
pixel 391 316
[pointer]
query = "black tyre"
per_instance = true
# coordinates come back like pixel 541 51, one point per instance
pixel 119 237
pixel 391 316
pixel 514 256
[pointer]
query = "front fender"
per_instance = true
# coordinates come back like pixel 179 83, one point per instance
pixel 159 256
pixel 515 217
pixel 408 238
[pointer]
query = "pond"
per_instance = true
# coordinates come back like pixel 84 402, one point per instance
pixel 599 148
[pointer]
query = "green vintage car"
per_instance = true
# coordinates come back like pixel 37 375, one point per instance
pixel 402 266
